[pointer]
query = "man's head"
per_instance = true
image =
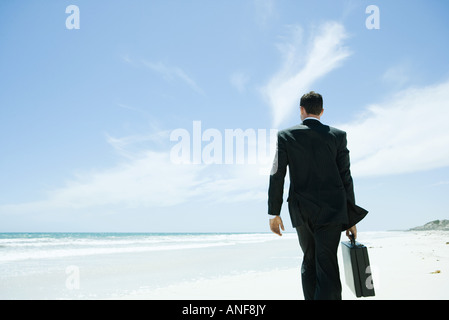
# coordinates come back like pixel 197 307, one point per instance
pixel 311 105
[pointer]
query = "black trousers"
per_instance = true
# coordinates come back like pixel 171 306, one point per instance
pixel 319 271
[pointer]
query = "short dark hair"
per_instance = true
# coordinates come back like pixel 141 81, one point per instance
pixel 312 102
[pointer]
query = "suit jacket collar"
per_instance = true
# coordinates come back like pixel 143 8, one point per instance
pixel 311 122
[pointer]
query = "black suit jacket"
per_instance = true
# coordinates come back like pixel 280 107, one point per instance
pixel 321 186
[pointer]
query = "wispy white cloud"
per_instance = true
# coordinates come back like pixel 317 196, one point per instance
pixel 439 184
pixel 398 75
pixel 170 73
pixel 405 133
pixel 136 145
pixel 303 64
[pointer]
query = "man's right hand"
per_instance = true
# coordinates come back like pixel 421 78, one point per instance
pixel 275 223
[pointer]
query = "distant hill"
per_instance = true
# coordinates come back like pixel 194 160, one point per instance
pixel 433 225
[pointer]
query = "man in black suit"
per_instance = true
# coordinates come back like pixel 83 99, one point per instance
pixel 321 192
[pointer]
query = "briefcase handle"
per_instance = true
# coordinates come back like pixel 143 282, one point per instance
pixel 352 239
pixel 354 243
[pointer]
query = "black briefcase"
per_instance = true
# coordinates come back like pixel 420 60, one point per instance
pixel 357 268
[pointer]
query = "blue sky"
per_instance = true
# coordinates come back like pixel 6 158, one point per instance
pixel 86 114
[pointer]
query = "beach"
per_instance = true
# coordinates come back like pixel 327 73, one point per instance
pixel 255 266
pixel 405 266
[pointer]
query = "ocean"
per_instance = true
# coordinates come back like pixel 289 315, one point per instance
pixel 115 265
